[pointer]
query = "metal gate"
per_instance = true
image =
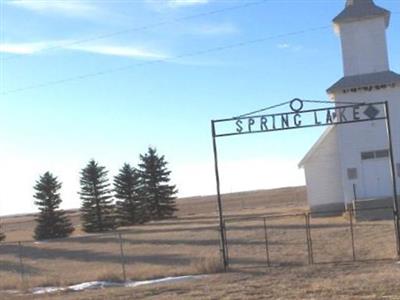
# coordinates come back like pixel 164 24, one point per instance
pixel 257 122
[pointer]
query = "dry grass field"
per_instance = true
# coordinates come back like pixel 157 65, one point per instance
pixel 189 245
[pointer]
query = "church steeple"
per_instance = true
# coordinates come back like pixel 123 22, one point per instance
pixel 357 10
pixel 352 2
pixel 362 29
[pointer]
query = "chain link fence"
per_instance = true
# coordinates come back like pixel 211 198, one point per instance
pixel 142 252
pixel 191 246
pixel 317 238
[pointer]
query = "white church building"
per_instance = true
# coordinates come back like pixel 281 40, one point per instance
pixel 351 161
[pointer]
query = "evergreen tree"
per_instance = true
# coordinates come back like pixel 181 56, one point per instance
pixel 158 194
pixel 97 210
pixel 51 221
pixel 127 191
pixel 2 235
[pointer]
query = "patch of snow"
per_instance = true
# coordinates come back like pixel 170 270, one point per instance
pixel 10 291
pixel 46 290
pixel 41 242
pixel 93 285
pixel 106 284
pixel 161 280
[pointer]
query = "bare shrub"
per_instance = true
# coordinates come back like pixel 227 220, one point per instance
pixel 111 277
pixel 50 281
pixel 208 265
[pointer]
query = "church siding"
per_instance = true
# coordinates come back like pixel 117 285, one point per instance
pixel 324 189
pixel 368 136
pixel 364 48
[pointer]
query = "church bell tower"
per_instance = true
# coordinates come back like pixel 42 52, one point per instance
pixel 362 30
pixel 343 165
pixel 361 26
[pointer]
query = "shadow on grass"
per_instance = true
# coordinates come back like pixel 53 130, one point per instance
pixel 193 230
pixel 131 240
pixel 37 253
pixel 15 267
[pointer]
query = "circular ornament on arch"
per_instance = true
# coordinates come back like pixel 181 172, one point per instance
pixel 296 105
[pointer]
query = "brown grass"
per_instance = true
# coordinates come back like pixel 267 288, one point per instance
pixel 190 245
pixel 112 277
pixel 208 265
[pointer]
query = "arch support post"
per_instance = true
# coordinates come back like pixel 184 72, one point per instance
pixel 393 176
pixel 219 201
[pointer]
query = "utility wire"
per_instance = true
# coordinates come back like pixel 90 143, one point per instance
pixel 127 67
pixel 261 110
pixel 143 28
pixel 171 59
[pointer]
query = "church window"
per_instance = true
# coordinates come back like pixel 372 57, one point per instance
pixel 375 154
pixel 382 153
pixel 367 155
pixel 352 173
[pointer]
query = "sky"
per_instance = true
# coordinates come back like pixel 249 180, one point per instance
pixel 106 79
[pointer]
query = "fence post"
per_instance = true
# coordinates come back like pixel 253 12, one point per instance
pixel 395 230
pixel 226 243
pixel 354 192
pixel 218 229
pixel 21 264
pixel 266 243
pixel 352 233
pixel 308 238
pixel 122 255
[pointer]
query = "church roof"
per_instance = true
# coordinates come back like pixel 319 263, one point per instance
pixel 361 9
pixel 364 81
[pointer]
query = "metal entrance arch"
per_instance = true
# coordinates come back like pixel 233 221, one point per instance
pixel 255 122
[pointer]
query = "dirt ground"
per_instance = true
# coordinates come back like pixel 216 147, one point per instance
pixel 373 280
pixel 189 244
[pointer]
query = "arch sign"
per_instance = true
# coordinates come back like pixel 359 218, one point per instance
pixel 297 117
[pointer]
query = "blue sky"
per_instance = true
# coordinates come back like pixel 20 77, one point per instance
pixel 107 79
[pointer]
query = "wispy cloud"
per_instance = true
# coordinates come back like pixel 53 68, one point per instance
pixel 27 48
pixel 216 29
pixel 106 49
pixel 161 5
pixel 283 46
pixel 180 3
pixel 67 8
pixel 122 51
pixel 287 46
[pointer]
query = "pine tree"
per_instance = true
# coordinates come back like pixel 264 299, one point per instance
pixel 2 235
pixel 158 194
pixel 97 208
pixel 51 221
pixel 127 191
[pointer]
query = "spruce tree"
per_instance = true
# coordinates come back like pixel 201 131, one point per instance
pixel 2 235
pixel 158 194
pixel 127 191
pixel 97 210
pixel 51 221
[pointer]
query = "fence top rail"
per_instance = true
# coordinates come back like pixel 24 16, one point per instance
pixel 302 214
pixel 245 218
pixel 113 233
pixel 352 209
